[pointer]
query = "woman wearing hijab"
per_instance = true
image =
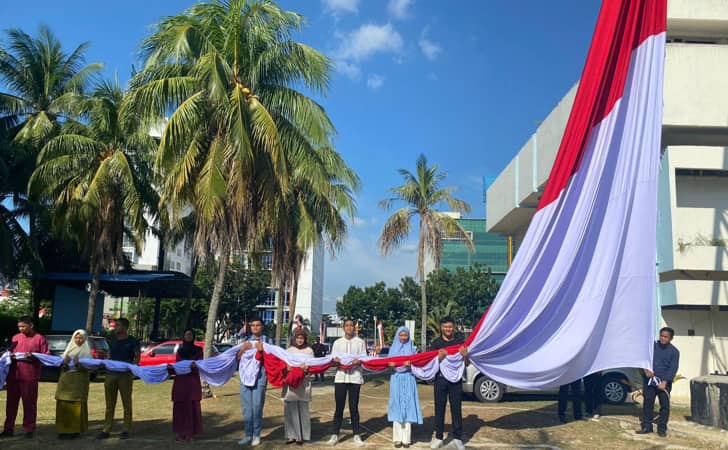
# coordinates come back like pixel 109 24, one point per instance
pixel 404 401
pixel 187 392
pixel 297 394
pixel 72 389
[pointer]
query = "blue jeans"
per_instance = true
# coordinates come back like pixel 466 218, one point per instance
pixel 252 400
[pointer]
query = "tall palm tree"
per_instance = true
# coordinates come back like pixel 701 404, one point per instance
pixel 422 194
pixel 229 73
pixel 322 187
pixel 42 84
pixel 96 178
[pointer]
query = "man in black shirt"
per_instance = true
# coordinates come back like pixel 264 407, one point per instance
pixel 445 389
pixel 658 383
pixel 319 351
pixel 124 348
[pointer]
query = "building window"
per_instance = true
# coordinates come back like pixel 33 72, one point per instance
pixel 267 316
pixel 266 261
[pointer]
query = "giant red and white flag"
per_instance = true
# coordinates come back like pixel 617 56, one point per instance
pixel 580 295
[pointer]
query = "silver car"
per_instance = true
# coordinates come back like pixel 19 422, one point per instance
pixel 614 385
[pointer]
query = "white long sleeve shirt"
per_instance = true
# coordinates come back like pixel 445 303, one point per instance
pixel 353 346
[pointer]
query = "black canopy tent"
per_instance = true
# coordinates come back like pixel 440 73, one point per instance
pixel 136 283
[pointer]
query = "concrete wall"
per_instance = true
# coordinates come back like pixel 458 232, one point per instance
pixel 703 353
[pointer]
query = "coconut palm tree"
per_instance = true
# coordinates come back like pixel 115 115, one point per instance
pixel 229 73
pixel 41 83
pixel 422 194
pixel 322 188
pixel 95 175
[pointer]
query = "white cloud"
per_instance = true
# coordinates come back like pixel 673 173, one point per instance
pixel 368 40
pixel 399 8
pixel 429 48
pixel 361 263
pixel 375 81
pixel 347 68
pixel 341 6
pixel 358 222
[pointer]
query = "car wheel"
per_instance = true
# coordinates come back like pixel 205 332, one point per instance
pixel 613 390
pixel 487 390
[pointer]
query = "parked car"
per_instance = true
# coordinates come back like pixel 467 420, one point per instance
pixel 614 386
pixel 166 353
pixel 57 345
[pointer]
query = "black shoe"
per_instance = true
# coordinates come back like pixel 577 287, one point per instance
pixel 662 433
pixel 290 441
pixel 102 435
pixel 562 419
pixel 6 434
pixel 28 435
pixel 124 435
pixel 644 431
pixel 74 436
pixel 397 445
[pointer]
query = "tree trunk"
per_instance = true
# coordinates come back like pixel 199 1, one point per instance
pixel 91 311
pixel 423 294
pixel 292 303
pixel 190 291
pixel 215 300
pixel 279 309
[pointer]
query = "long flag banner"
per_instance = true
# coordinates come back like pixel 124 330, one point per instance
pixel 580 295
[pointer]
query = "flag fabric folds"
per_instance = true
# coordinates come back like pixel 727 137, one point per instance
pixel 580 295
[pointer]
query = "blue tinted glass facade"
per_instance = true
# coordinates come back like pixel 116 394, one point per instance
pixel 491 249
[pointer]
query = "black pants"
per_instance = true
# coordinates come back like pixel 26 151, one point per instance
pixel 454 391
pixel 575 389
pixel 592 396
pixel 340 391
pixel 318 377
pixel 648 409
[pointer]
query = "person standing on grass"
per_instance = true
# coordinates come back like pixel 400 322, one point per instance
pixel 319 351
pixel 72 389
pixel 187 392
pixel 23 377
pixel 297 394
pixel 404 400
pixel 575 388
pixel 127 349
pixel 252 396
pixel 445 389
pixel 348 382
pixel 592 396
pixel 658 383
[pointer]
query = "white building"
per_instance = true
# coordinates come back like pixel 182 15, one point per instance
pixel 310 294
pixel 176 257
pixel 692 235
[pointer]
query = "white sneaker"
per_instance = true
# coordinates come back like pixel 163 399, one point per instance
pixel 255 441
pixel 436 443
pixel 457 444
pixel 333 441
pixel 596 417
pixel 357 441
pixel 245 441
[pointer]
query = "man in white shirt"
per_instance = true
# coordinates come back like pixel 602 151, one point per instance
pixel 252 398
pixel 348 381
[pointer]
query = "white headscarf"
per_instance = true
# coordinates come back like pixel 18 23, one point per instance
pixel 73 350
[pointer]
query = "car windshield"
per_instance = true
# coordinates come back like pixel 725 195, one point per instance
pixel 57 343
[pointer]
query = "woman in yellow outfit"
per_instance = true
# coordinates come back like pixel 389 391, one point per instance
pixel 72 389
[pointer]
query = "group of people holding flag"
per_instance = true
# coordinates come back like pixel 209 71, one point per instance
pixel 29 350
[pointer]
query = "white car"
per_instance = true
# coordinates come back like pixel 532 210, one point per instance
pixel 614 385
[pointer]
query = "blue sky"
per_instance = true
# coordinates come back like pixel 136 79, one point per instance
pixel 464 82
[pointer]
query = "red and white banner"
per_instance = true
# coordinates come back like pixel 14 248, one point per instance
pixel 580 295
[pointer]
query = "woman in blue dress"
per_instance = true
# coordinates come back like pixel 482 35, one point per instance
pixel 404 401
